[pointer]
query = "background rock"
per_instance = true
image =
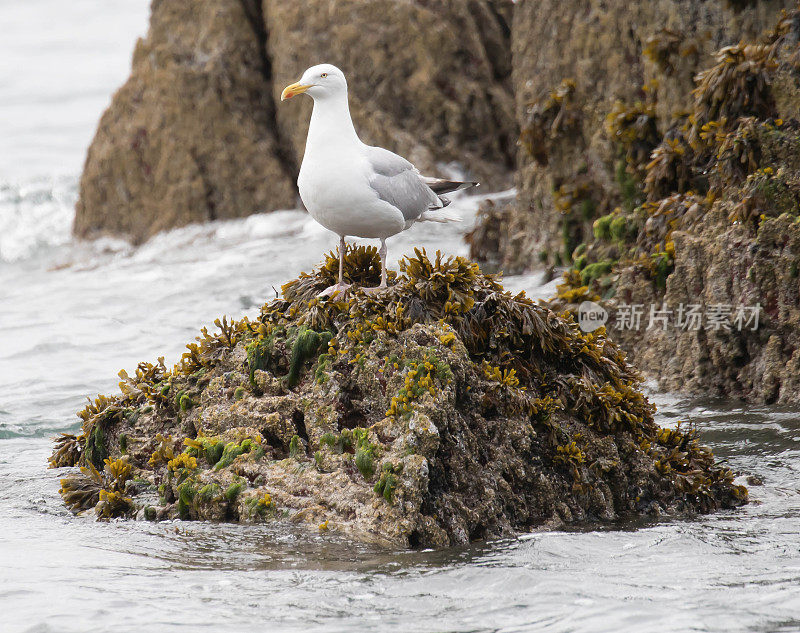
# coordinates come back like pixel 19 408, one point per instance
pixel 430 80
pixel 195 135
pixel 191 136
pixel 710 221
pixel 609 51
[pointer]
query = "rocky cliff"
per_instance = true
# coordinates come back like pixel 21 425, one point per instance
pixel 575 65
pixel 195 134
pixel 440 411
pixel 700 232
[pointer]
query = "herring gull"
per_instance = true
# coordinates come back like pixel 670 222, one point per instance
pixel 355 189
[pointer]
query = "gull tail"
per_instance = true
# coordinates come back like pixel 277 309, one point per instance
pixel 441 185
pixel 439 215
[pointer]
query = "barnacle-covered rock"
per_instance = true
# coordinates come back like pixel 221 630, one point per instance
pixel 440 411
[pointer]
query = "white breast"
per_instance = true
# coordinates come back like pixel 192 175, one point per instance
pixel 334 187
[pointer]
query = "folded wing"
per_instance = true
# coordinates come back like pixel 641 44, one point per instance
pixel 398 182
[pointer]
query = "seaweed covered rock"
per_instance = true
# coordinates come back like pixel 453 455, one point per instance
pixel 713 243
pixel 577 63
pixel 441 411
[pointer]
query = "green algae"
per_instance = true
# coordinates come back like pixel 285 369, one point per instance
pixel 232 450
pixel 295 447
pixel 234 490
pixel 365 453
pixel 386 485
pixel 306 344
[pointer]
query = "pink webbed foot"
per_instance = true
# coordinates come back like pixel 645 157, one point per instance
pixel 332 291
pixel 375 290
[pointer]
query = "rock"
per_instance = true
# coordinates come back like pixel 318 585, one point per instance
pixel 196 133
pixel 719 231
pixel 438 412
pixel 572 62
pixel 191 136
pixel 490 234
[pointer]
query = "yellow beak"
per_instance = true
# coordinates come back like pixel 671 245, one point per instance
pixel 292 90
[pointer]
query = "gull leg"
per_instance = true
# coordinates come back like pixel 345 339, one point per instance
pixel 382 253
pixel 342 287
pixel 342 254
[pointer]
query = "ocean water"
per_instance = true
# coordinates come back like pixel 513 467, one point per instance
pixel 73 313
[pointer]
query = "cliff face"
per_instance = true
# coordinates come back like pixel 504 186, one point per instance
pixel 701 219
pixel 572 62
pixel 196 133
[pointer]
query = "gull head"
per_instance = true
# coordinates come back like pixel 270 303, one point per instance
pixel 323 81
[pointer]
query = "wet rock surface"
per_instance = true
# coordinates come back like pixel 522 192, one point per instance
pixel 441 411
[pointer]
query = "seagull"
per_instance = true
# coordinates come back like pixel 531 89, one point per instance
pixel 355 189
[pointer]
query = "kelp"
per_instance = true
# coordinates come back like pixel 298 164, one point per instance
pixel 550 118
pixel 103 491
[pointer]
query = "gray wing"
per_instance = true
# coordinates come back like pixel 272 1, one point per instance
pixel 398 182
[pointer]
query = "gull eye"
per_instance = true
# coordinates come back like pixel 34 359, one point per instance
pixel 323 75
